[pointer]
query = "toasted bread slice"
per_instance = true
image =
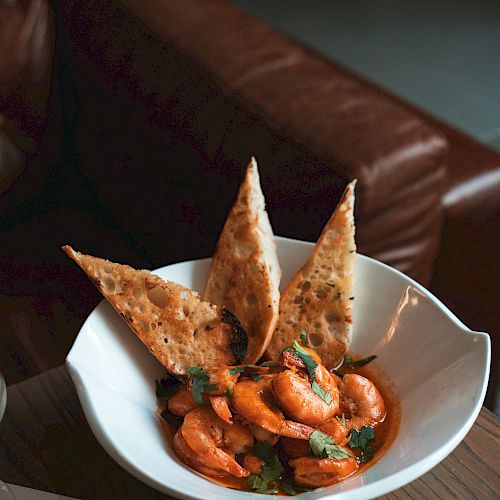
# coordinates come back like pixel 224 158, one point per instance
pixel 178 328
pixel 319 298
pixel 245 272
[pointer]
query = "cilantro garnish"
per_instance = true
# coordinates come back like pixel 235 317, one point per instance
pixel 272 470
pixel 311 365
pixel 229 392
pixel 199 379
pixel 291 488
pixel 350 363
pixel 236 370
pixel 304 339
pixel 167 387
pixel 323 446
pixel 361 439
pixel 256 378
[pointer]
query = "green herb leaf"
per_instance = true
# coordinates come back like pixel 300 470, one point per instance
pixel 256 378
pixel 272 470
pixel 291 488
pixel 350 363
pixel 229 392
pixel 199 379
pixel 341 420
pixel 324 395
pixel 167 387
pixel 311 365
pixel 304 339
pixel 359 439
pixel 322 446
pixel 271 364
pixel 236 370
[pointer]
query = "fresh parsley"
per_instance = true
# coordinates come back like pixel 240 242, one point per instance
pixel 291 488
pixel 167 387
pixel 304 339
pixel 236 370
pixel 199 381
pixel 350 363
pixel 362 439
pixel 323 446
pixel 272 470
pixel 359 439
pixel 311 365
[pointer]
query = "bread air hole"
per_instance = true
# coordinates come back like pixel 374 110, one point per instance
pixel 109 284
pixel 316 339
pixel 158 296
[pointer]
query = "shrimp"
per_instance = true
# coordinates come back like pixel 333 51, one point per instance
pixel 253 463
pixel 223 380
pixel 215 442
pixel 361 402
pixel 336 430
pixel 254 401
pixel 298 400
pixel 181 403
pixel 186 454
pixel 220 405
pixel 290 359
pixel 261 434
pixel 295 448
pixel 317 472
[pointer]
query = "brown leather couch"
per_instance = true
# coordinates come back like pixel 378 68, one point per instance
pixel 125 126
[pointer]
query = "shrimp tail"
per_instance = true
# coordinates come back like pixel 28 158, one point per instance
pixel 220 405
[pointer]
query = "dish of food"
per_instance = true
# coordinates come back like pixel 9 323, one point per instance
pixel 283 427
pixel 307 418
pixel 395 319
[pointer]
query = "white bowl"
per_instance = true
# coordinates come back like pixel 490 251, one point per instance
pixel 438 366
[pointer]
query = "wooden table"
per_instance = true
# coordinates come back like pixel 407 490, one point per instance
pixel 46 444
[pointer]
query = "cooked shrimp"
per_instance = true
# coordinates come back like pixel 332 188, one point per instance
pixel 317 472
pixel 290 359
pixel 298 400
pixel 253 463
pixel 215 441
pixel 181 403
pixel 254 401
pixel 336 430
pixel 223 380
pixel 261 434
pixel 220 405
pixel 186 454
pixel 360 401
pixel 295 448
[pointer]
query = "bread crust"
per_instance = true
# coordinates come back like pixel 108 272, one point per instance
pixel 178 328
pixel 319 299
pixel 244 272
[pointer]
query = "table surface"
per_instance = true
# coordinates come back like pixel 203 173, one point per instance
pixel 47 444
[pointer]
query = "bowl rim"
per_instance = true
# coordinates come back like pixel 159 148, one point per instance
pixel 378 487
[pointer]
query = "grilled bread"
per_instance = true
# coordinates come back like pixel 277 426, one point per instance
pixel 178 328
pixel 245 273
pixel 319 298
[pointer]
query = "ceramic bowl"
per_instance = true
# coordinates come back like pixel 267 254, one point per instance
pixel 438 366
